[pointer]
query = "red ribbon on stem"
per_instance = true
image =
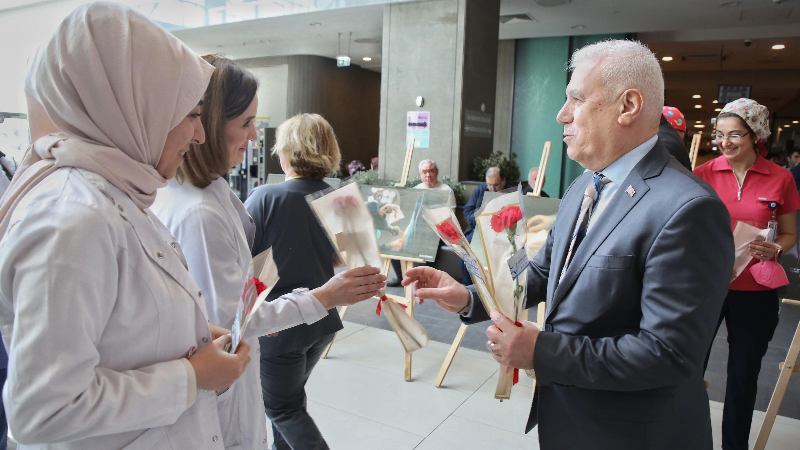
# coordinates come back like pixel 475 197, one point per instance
pixel 383 299
pixel 516 370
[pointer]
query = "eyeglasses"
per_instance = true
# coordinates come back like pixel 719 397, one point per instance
pixel 425 172
pixel 730 137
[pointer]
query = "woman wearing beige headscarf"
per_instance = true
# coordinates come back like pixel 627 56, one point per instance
pixel 97 310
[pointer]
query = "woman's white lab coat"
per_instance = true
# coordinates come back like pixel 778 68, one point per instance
pixel 98 312
pixel 216 233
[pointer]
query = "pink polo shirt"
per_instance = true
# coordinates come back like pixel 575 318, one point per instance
pixel 763 183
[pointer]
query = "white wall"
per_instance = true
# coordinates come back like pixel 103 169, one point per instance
pixel 22 31
pixel 272 92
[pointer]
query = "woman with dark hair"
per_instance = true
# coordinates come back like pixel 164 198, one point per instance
pixel 216 234
pixel 755 192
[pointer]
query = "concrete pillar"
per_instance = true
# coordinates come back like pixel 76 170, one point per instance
pixel 446 52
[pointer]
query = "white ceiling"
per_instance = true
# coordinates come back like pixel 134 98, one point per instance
pixel 654 20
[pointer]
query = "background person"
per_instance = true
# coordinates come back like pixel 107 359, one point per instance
pixel 671 132
pixel 794 157
pixel 307 148
pixel 618 363
pixel 216 233
pixel 495 182
pixel 533 175
pixel 746 183
pixel 82 195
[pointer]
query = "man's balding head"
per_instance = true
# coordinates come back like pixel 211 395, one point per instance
pixel 495 180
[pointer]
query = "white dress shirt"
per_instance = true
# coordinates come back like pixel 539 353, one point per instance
pixel 216 232
pixel 617 172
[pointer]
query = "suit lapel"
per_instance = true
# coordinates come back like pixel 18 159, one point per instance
pixel 619 207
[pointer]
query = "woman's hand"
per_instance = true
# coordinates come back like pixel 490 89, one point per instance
pixel 215 369
pixel 351 286
pixel 438 286
pixel 217 331
pixel 763 250
pixel 540 222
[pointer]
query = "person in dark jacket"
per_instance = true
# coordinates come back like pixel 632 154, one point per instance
pixel 533 175
pixel 671 131
pixel 495 182
pixel 305 259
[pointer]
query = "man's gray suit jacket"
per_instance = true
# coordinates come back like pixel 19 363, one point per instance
pixel 619 363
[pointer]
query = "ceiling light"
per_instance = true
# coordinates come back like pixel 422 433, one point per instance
pixel 667 58
pixel 696 96
pixel 728 4
pixel 778 47
pixel 700 126
pixel 715 101
pixel 795 121
pixel 718 109
pixel 698 106
pixel 578 27
pixel 714 148
pixel 367 58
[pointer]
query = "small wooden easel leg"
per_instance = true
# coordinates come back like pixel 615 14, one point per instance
pixel 406 266
pixel 451 354
pixel 342 312
pixel 780 389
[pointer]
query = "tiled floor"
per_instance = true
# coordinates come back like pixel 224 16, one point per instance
pixel 360 401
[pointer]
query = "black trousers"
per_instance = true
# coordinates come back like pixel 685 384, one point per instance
pixel 283 384
pixel 751 318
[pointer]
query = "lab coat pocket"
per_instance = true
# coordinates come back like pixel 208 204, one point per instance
pixel 228 410
pixel 152 439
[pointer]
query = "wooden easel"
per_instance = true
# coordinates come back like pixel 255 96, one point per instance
pixel 405 265
pixel 406 165
pixel 787 368
pixel 694 149
pixel 537 189
pixel 448 360
pixel 407 300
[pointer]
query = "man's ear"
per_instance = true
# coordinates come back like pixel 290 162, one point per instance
pixel 630 107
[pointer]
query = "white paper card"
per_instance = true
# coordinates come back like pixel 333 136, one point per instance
pixel 518 263
pixel 743 235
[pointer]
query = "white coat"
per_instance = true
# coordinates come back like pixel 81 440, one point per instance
pixel 97 312
pixel 209 224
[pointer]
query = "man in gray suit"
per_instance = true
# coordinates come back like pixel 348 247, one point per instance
pixel 634 273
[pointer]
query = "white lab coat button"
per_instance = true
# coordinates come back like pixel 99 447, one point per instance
pixel 160 255
pixel 205 339
pixel 214 439
pixel 264 441
pixel 199 293
pixel 172 244
pixel 120 208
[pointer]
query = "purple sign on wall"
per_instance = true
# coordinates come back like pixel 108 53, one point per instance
pixel 418 127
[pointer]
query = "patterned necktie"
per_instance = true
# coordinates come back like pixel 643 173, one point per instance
pixel 589 200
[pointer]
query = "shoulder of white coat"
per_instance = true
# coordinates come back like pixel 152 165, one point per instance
pixel 71 199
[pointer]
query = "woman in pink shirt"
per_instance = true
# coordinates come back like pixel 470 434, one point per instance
pixel 754 190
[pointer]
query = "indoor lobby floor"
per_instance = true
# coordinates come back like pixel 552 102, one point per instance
pixel 360 401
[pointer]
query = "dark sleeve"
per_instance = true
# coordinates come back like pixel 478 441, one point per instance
pixel 674 144
pixel 678 320
pixel 473 204
pixel 256 205
pixel 796 175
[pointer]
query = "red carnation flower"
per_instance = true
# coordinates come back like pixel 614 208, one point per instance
pixel 448 232
pixel 506 218
pixel 260 287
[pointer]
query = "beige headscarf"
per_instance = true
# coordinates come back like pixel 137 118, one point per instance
pixel 116 83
